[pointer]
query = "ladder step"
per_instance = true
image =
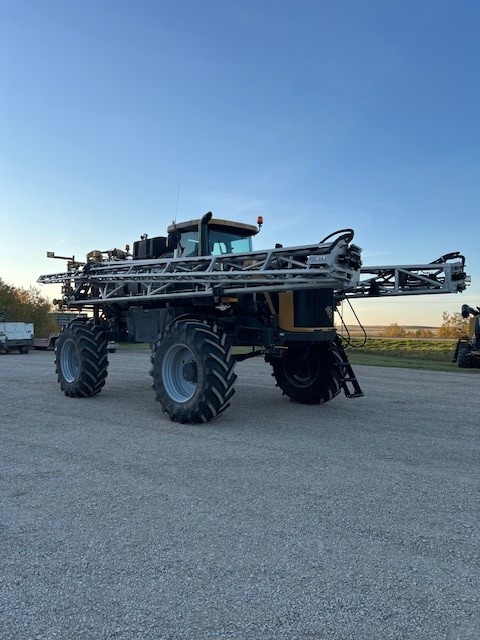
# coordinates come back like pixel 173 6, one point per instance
pixel 356 393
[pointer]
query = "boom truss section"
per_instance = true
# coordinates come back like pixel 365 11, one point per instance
pixel 445 275
pixel 333 264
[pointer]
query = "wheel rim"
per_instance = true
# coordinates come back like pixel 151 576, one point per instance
pixel 69 360
pixel 179 373
pixel 304 375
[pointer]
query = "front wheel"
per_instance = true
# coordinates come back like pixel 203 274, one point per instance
pixel 81 360
pixel 309 374
pixel 193 371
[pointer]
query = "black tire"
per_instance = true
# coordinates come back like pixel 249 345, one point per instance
pixel 309 373
pixel 193 371
pixel 464 358
pixel 24 350
pixel 81 360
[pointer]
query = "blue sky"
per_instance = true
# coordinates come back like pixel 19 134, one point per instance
pixel 317 115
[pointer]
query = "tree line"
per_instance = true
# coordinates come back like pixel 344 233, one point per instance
pixel 454 325
pixel 27 305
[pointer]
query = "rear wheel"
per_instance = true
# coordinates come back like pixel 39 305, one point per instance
pixel 24 350
pixel 193 371
pixel 309 374
pixel 81 360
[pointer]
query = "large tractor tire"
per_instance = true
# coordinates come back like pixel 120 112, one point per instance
pixel 193 371
pixel 309 374
pixel 464 358
pixel 81 360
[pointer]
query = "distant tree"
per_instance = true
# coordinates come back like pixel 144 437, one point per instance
pixel 395 331
pixel 27 305
pixel 453 326
pixel 424 333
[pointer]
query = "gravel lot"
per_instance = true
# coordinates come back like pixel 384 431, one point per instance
pixel 355 520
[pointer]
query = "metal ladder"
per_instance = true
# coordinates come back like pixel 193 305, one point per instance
pixel 347 375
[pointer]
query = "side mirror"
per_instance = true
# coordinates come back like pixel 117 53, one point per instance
pixel 173 240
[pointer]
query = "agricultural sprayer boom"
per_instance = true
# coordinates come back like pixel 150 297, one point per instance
pixel 200 291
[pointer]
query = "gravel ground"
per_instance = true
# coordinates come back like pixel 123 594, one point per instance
pixel 353 520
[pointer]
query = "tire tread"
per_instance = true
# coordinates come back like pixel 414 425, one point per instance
pixel 212 347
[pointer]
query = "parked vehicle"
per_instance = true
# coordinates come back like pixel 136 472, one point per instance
pixel 46 343
pixel 50 342
pixel 16 336
pixel 467 351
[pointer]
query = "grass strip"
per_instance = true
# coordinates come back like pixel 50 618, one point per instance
pixel 432 355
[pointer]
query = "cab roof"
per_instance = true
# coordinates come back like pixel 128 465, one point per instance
pixel 216 223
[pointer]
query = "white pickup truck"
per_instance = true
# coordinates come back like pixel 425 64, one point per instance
pixel 16 336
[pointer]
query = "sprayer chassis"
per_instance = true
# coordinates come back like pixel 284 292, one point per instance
pixel 202 314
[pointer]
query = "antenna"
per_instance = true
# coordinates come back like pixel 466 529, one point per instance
pixel 178 197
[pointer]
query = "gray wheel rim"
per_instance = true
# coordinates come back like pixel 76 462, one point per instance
pixel 69 360
pixel 177 387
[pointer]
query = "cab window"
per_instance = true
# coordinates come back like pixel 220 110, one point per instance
pixel 221 243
